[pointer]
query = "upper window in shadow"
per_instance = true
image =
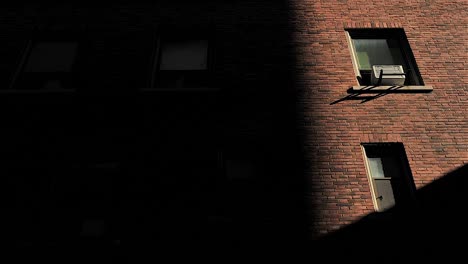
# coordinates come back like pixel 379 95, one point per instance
pixel 184 55
pixel 238 169
pixel 387 49
pixel 48 57
pixel 48 63
pixel 183 60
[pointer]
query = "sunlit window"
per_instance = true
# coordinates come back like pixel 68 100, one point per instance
pixel 389 174
pixel 376 47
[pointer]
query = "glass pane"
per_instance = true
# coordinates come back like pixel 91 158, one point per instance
pixel 377 51
pixel 376 168
pixel 93 228
pixel 52 57
pixel 384 194
pixel 392 166
pixel 239 169
pixel 184 55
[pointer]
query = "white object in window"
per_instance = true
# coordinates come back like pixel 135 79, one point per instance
pixel 387 75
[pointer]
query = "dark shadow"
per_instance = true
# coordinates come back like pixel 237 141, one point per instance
pixel 430 230
pixel 109 170
pixel 358 97
pixel 363 93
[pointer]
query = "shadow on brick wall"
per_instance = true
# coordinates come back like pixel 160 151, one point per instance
pixel 431 230
pixel 110 173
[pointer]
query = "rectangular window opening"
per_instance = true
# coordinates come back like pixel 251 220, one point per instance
pixel 383 57
pixel 182 61
pixel 389 175
pixel 47 65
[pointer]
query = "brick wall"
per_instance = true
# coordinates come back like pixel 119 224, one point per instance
pixel 282 68
pixel 431 126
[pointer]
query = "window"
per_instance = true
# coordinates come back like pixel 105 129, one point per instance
pixel 187 55
pixel 243 164
pixel 371 47
pixel 182 61
pixel 240 169
pixel 389 175
pixel 93 228
pixel 47 65
pixel 51 59
pixel 47 56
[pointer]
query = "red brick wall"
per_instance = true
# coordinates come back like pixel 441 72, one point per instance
pixel 432 127
pixel 259 42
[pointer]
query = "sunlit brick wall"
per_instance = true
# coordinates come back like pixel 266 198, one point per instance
pixel 431 126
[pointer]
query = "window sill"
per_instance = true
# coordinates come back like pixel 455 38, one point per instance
pixel 391 89
pixel 25 91
pixel 155 90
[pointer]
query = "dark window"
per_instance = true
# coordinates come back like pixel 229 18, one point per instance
pixel 184 55
pixel 47 56
pixel 49 61
pixel 376 47
pixel 94 228
pixel 183 60
pixel 389 174
pixel 240 169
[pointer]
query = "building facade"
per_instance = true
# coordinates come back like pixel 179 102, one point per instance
pixel 233 121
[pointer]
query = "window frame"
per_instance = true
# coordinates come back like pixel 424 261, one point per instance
pixel 406 177
pixel 386 33
pixel 163 33
pixel 41 34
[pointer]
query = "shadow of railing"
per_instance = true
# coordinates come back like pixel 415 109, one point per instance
pixel 364 93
